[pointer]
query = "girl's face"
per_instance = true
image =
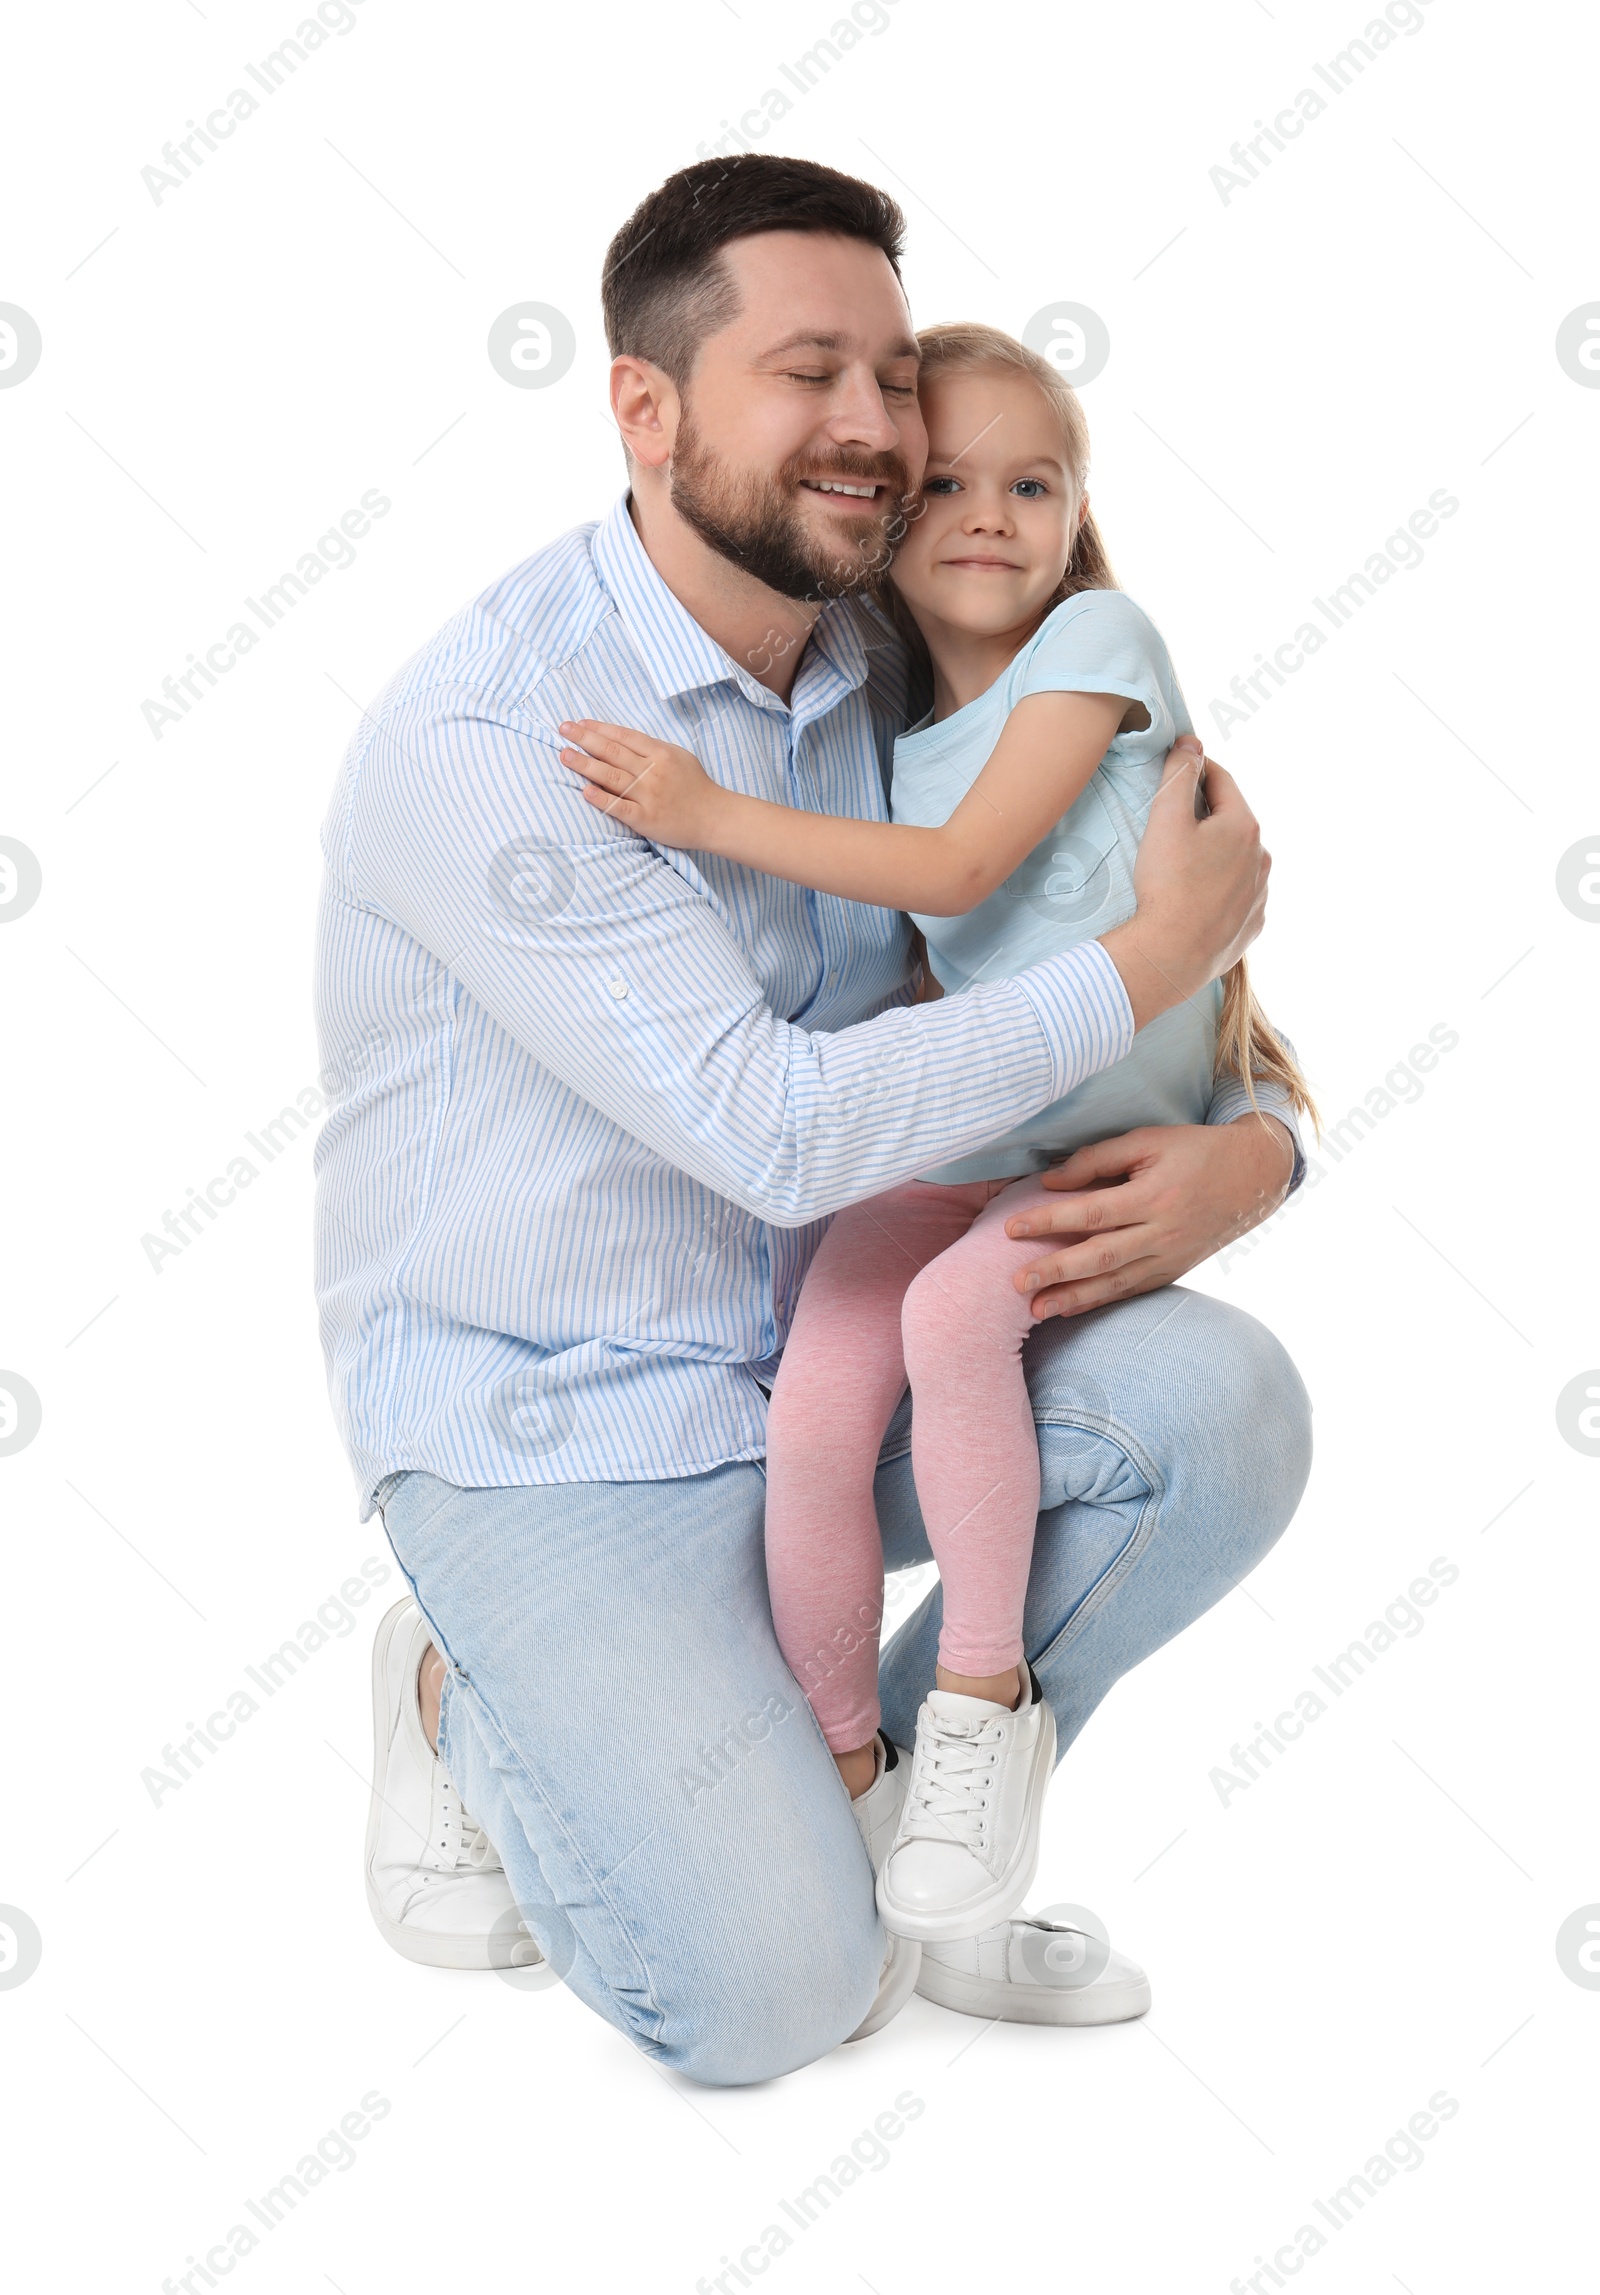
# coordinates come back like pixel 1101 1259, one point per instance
pixel 1000 507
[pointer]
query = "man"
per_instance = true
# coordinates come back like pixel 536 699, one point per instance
pixel 594 1105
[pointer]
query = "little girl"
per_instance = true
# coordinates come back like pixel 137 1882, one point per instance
pixel 1016 810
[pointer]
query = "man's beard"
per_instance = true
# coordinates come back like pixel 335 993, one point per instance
pixel 754 520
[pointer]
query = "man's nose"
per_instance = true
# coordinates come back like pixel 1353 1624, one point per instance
pixel 861 417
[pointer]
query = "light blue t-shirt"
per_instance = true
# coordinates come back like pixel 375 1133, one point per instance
pixel 1076 883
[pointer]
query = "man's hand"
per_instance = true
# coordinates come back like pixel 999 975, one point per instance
pixel 1145 1208
pixel 662 791
pixel 1201 887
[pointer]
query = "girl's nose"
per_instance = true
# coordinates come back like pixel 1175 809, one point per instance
pixel 987 516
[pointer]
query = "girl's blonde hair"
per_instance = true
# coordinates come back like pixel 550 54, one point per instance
pixel 1248 1046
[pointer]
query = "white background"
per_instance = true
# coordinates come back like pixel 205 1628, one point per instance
pixel 1292 373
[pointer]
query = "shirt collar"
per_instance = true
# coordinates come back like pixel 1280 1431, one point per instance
pixel 679 656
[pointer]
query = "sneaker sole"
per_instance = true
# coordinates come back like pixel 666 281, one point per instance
pixel 991 1997
pixel 898 1983
pixel 1000 1901
pixel 429 1948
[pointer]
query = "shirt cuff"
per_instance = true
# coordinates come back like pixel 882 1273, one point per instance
pixel 1082 1006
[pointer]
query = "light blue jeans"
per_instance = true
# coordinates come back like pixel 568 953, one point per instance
pixel 619 1718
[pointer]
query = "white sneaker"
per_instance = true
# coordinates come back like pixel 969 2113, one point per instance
pixel 877 1815
pixel 1031 1971
pixel 968 1844
pixel 437 1889
pixel 902 1965
pixel 877 1811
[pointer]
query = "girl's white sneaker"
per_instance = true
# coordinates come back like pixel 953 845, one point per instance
pixel 967 1846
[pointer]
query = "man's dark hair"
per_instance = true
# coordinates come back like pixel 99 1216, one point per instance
pixel 666 287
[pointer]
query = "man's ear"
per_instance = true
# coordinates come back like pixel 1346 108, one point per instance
pixel 647 407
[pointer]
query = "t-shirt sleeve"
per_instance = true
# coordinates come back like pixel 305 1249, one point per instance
pixel 1101 642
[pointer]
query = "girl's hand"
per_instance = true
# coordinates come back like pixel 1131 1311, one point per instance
pixel 662 791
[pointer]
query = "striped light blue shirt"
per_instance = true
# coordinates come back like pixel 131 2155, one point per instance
pixel 591 1103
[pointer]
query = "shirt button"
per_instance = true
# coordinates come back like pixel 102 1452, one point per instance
pixel 619 988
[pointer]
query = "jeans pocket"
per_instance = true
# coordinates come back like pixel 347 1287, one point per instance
pixel 386 1490
pixel 397 1492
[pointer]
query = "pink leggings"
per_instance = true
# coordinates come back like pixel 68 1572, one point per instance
pixel 915 1284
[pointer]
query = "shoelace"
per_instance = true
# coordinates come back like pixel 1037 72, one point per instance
pixel 477 1850
pixel 948 1795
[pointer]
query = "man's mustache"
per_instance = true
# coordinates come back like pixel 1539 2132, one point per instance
pixel 853 469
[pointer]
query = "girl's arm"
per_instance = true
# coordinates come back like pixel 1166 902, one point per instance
pixel 1048 748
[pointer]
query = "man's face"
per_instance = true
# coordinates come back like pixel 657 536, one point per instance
pixel 810 389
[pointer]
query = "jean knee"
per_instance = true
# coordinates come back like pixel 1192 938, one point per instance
pixel 1263 1390
pixel 1243 1407
pixel 784 2000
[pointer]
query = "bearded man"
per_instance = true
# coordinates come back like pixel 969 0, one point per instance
pixel 594 1103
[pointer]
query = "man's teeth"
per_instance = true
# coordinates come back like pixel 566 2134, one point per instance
pixel 834 486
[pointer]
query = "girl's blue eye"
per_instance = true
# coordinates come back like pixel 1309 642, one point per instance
pixel 1023 484
pixel 941 485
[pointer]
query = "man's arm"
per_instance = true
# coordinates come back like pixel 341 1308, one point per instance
pixel 1141 1210
pixel 606 966
pixel 1230 1104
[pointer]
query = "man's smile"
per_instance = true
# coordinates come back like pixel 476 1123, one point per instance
pixel 868 493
